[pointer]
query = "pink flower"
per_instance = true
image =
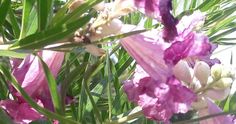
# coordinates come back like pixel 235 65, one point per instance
pixel 156 89
pixel 159 100
pixel 29 73
pixel 212 108
pixel 157 57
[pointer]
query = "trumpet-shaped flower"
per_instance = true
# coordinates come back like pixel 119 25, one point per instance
pixel 158 100
pixel 158 59
pixel 30 75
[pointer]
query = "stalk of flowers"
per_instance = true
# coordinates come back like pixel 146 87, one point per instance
pixel 210 84
pixel 158 59
pixel 30 75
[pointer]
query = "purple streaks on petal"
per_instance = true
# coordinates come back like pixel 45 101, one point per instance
pixel 169 22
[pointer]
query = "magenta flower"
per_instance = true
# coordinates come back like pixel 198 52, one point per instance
pixel 158 100
pixel 29 73
pixel 156 89
pixel 160 9
pixel 157 57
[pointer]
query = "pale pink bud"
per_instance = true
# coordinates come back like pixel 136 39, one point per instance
pixel 216 71
pixel 223 83
pixel 182 72
pixel 202 72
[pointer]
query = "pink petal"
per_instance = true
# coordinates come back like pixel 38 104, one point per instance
pixel 22 113
pixel 159 101
pixel 147 49
pixel 214 109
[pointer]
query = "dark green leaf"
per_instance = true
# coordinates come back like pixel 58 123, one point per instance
pixel 49 36
pixel 52 87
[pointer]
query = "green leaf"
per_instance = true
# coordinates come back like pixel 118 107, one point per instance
pixel 43 38
pixel 13 54
pixel 77 12
pixel 220 25
pixel 4 7
pixel 207 4
pixel 13 21
pixel 29 12
pixel 108 77
pixel 61 12
pixel 218 36
pixel 52 87
pixel 45 10
pixel 220 15
pixel 5 119
pixel 232 103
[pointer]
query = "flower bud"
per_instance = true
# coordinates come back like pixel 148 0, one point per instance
pixel 223 83
pixel 216 71
pixel 227 72
pixel 182 71
pixel 202 72
pixel 218 94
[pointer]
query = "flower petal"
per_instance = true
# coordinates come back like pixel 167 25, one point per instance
pixel 158 100
pixel 148 51
pixel 214 109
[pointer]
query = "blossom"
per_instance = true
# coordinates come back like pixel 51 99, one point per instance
pixel 209 84
pixel 30 75
pixel 158 100
pixel 166 65
pixel 155 55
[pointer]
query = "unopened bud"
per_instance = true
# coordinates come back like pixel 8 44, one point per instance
pixel 227 72
pixel 223 83
pixel 182 71
pixel 202 72
pixel 216 71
